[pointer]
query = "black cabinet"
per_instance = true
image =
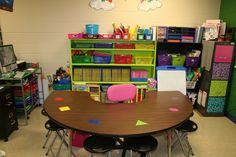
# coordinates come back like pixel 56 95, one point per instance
pixel 8 120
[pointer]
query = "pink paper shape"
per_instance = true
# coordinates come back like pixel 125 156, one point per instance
pixel 173 109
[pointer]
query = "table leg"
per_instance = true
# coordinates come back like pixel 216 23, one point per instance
pixel 169 142
pixel 70 143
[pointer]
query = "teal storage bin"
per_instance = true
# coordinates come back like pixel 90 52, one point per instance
pixel 92 29
pixel 178 60
pixel 61 86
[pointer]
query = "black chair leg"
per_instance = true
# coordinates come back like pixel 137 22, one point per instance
pixel 143 154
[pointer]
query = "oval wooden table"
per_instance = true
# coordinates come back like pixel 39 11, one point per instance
pixel 159 111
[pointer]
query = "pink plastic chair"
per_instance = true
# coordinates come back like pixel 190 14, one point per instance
pixel 141 144
pixel 122 92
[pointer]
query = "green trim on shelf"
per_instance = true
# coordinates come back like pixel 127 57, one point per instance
pixel 120 65
pixel 111 49
pixel 102 82
pixel 110 41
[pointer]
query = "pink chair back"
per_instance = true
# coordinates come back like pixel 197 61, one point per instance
pixel 122 92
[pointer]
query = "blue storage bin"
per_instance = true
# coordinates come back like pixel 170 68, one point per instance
pixel 92 29
pixel 102 59
pixel 64 81
pixel 103 45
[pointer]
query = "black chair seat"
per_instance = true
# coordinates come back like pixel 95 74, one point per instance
pixel 141 144
pixel 52 126
pixel 99 144
pixel 188 126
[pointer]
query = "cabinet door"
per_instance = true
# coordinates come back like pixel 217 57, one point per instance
pixel 218 88
pixel 223 53
pixel 216 104
pixel 221 71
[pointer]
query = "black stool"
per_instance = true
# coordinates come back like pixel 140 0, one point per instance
pixel 181 133
pixel 53 127
pixel 143 145
pixel 99 144
pixel 44 113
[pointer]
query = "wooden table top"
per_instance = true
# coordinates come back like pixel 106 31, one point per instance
pixel 159 111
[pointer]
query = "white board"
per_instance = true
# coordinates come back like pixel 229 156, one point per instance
pixel 171 80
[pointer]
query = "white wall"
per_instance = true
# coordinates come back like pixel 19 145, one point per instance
pixel 38 28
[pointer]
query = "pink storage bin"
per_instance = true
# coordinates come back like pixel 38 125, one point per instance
pixel 139 75
pixel 75 35
pixel 105 36
pixel 224 53
pixel 78 139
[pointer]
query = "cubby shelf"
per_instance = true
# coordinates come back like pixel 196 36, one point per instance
pixel 88 72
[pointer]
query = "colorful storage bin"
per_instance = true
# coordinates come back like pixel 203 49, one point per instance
pixel 123 59
pixel 75 35
pixel 164 59
pixel 103 45
pixel 143 60
pixel 178 60
pixel 61 86
pixel 82 45
pixel 192 61
pixel 81 59
pixel 92 29
pixel 139 75
pixel 145 46
pixel 102 58
pixel 124 46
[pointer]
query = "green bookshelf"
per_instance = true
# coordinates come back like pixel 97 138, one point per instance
pixel 87 72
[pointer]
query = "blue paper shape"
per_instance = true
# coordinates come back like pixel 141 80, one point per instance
pixel 94 121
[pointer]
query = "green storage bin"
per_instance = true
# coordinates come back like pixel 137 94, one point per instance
pixel 178 60
pixel 81 59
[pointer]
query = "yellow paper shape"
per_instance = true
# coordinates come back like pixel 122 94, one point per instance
pixel 64 108
pixel 139 123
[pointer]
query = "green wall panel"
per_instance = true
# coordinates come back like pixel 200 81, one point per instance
pixel 228 13
pixel 218 88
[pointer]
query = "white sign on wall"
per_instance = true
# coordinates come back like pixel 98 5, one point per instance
pixel 146 5
pixel 102 4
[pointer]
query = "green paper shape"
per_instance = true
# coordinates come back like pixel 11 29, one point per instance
pixel 139 123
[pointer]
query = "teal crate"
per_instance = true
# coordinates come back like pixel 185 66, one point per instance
pixel 61 87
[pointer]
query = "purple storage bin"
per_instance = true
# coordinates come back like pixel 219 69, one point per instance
pixel 103 45
pixel 164 59
pixel 192 61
